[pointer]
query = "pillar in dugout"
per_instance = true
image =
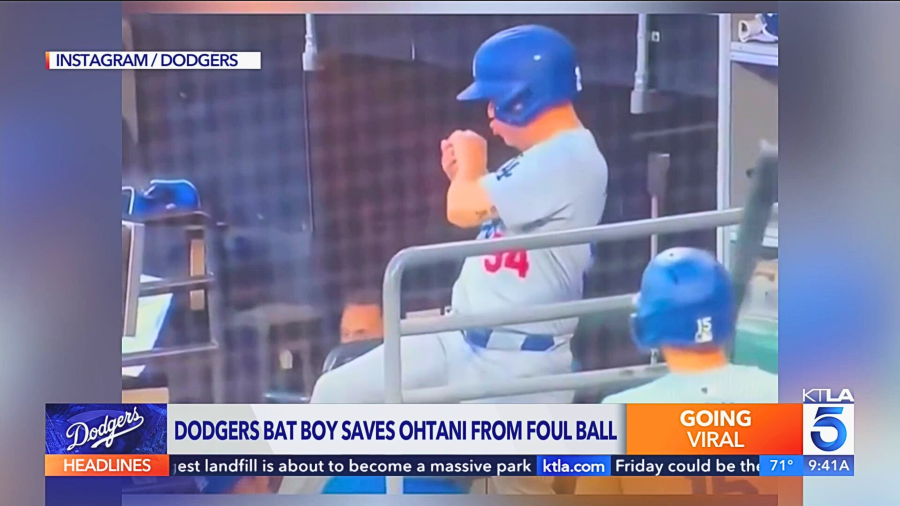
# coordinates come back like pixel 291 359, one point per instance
pixel 714 429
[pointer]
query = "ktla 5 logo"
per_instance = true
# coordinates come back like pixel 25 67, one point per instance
pixel 827 423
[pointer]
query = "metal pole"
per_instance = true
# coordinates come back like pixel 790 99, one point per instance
pixel 393 373
pixel 133 260
pixel 520 386
pixel 143 357
pixel 514 315
pixel 311 48
pixel 657 169
pixel 216 312
pixel 654 213
pixel 167 286
pixel 639 92
pixel 418 255
pixel 723 155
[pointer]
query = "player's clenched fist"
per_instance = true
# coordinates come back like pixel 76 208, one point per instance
pixel 448 159
pixel 470 150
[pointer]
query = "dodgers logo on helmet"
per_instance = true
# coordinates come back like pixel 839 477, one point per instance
pixel 685 300
pixel 524 71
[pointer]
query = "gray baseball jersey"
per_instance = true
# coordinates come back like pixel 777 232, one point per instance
pixel 558 184
pixel 732 384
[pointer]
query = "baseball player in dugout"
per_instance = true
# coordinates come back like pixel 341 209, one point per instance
pixel 527 78
pixel 686 309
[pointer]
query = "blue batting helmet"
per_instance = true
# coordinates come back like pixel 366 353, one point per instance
pixel 524 70
pixel 162 195
pixel 686 300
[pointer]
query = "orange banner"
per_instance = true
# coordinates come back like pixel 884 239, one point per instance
pixel 106 465
pixel 714 429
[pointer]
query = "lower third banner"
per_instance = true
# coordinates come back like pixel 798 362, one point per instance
pixel 352 465
pixel 463 465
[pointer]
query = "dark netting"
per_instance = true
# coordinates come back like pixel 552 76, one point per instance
pixel 318 178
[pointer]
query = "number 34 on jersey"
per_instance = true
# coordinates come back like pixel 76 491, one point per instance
pixel 516 261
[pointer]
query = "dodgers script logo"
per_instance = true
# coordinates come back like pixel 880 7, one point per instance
pixel 106 428
pixel 106 432
pixel 827 422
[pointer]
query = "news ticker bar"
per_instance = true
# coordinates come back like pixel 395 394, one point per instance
pixel 447 465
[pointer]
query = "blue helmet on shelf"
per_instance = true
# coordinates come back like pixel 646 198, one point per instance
pixel 523 71
pixel 160 196
pixel 686 300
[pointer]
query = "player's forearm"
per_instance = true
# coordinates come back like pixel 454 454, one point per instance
pixel 468 204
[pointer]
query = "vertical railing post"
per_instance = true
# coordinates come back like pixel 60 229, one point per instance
pixel 393 372
pixel 393 365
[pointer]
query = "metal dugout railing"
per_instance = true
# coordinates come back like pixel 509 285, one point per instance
pixel 395 326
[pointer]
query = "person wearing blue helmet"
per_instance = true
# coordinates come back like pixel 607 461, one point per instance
pixel 523 72
pixel 686 309
pixel 527 78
